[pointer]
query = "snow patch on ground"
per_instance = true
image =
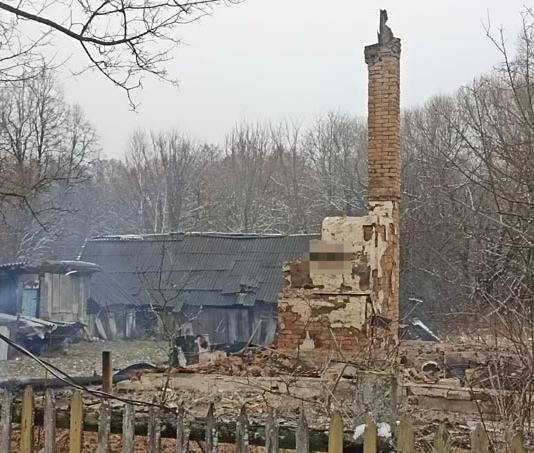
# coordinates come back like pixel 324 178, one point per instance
pixel 383 430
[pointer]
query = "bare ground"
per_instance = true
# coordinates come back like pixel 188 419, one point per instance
pixel 83 359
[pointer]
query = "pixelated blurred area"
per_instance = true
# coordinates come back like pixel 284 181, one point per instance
pixel 329 257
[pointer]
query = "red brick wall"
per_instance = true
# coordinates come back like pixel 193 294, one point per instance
pixel 294 325
pixel 384 120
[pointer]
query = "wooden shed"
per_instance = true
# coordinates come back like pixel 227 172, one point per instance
pixel 52 290
pixel 220 285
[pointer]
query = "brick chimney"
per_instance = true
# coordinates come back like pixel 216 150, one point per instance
pixel 384 168
pixel 345 295
pixel 383 60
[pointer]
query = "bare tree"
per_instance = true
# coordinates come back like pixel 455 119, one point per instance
pixel 291 177
pixel 122 39
pixel 46 147
pixel 163 288
pixel 244 182
pixel 467 218
pixel 163 170
pixel 20 58
pixel 336 148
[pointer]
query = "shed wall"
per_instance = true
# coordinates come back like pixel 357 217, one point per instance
pixel 64 297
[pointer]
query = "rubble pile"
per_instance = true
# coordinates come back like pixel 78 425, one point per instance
pixel 253 362
pixel 459 364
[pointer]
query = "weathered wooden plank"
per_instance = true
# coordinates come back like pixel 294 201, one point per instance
pixel 104 428
pixel 335 434
pixel 26 422
pixel 405 437
pixel 154 430
pixel 128 429
pixel 479 440
pixel 302 435
pixel 49 422
pixel 241 432
pixel 517 445
pixel 442 442
pixel 5 442
pixel 76 423
pixel 370 437
pixel 211 439
pixel 271 433
pixel 182 432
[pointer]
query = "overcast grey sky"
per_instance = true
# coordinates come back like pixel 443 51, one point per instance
pixel 276 59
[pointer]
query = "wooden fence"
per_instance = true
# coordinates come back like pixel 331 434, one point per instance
pixel 158 425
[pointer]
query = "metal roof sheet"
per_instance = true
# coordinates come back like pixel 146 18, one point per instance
pixel 197 268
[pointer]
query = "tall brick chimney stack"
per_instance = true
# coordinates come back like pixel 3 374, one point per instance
pixel 383 61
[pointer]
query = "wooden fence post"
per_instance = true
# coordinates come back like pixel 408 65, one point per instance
pixel 49 422
pixel 241 432
pixel 154 431
pixel 211 432
pixel 103 428
pixel 335 434
pixel 271 433
pixel 302 435
pixel 517 445
pixel 479 440
pixel 5 443
pixel 26 421
pixel 370 436
pixel 405 437
pixel 76 423
pixel 128 429
pixel 107 372
pixel 182 434
pixel 442 443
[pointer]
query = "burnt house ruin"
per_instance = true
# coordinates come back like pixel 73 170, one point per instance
pixel 223 286
pixel 351 295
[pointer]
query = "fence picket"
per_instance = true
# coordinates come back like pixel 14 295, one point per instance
pixel 271 433
pixel 26 421
pixel 479 440
pixel 154 431
pixel 241 432
pixel 442 443
pixel 76 423
pixel 517 445
pixel 128 429
pixel 5 443
pixel 405 437
pixel 302 435
pixel 49 422
pixel 335 434
pixel 182 434
pixel 211 432
pixel 370 436
pixel 103 428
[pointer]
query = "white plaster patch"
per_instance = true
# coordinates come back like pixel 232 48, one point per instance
pixel 353 314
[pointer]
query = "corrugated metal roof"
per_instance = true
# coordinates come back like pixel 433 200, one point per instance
pixel 196 269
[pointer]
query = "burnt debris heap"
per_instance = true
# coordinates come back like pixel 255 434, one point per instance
pixel 348 291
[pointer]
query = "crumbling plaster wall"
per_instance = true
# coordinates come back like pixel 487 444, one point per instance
pixel 348 289
pixel 329 301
